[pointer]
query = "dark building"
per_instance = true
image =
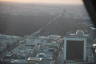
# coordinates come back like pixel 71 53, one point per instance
pixel 77 48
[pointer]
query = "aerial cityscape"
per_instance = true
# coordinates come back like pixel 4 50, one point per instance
pixel 52 49
pixel 38 33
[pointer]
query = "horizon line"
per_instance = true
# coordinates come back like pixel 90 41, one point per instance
pixel 44 2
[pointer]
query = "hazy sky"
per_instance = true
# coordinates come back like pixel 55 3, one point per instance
pixel 46 1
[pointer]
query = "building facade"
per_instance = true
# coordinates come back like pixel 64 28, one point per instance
pixel 77 48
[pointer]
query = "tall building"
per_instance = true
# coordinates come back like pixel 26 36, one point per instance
pixel 77 48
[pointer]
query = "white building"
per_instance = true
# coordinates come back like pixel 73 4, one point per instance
pixel 77 48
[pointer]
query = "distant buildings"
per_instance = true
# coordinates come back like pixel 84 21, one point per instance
pixel 38 49
pixel 51 49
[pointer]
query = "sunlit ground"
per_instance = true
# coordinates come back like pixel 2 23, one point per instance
pixel 46 1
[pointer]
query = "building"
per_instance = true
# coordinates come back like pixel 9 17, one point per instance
pixel 39 49
pixel 77 48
